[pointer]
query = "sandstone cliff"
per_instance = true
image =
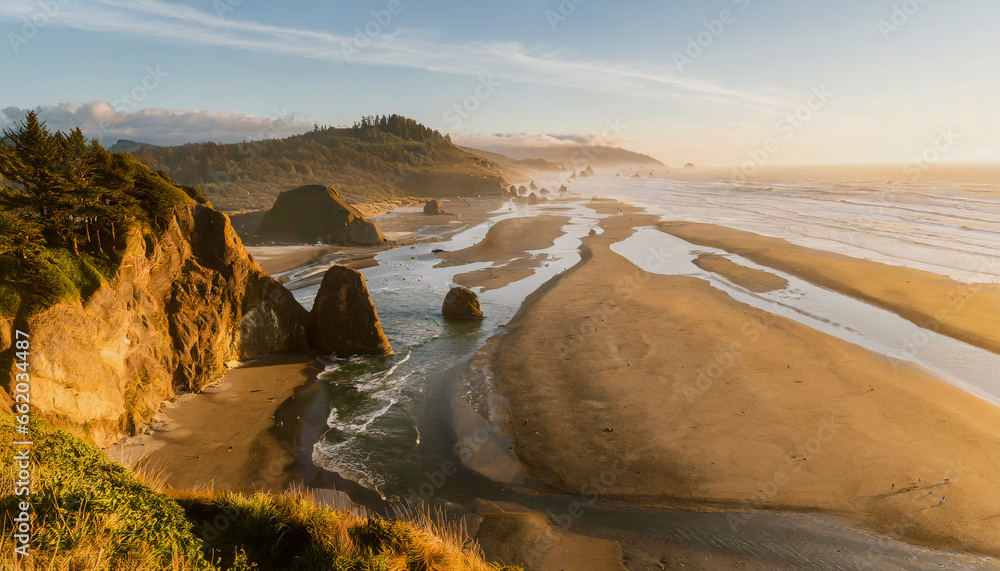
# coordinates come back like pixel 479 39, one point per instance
pixel 175 313
pixel 316 212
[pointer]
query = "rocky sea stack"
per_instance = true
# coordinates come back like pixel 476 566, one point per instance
pixel 343 320
pixel 461 304
pixel 432 207
pixel 317 213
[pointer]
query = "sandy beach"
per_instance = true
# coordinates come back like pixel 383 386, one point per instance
pixel 219 438
pixel 250 450
pixel 966 311
pixel 705 403
pixel 485 286
pixel 403 225
pixel 278 259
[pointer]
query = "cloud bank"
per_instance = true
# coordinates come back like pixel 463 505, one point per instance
pixel 500 141
pixel 100 120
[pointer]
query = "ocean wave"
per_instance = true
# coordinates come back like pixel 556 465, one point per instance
pixel 359 425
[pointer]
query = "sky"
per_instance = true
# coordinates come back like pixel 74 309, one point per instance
pixel 711 82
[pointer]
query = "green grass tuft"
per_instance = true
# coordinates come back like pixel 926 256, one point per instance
pixel 88 510
pixel 57 275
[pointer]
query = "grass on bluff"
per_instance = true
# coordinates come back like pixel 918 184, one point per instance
pixel 56 275
pixel 92 513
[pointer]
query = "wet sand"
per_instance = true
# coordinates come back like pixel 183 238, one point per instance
pixel 218 438
pixel 506 245
pixel 697 401
pixel 401 224
pixel 668 539
pixel 967 312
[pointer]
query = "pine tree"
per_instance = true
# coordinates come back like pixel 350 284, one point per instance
pixel 29 161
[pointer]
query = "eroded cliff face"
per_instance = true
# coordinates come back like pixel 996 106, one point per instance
pixel 170 320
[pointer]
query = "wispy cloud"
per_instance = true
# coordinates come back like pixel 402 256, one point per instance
pixel 507 61
pixel 99 119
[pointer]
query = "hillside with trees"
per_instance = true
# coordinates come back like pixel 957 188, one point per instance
pixel 379 158
pixel 66 205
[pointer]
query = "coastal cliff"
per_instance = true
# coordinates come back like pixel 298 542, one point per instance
pixel 170 319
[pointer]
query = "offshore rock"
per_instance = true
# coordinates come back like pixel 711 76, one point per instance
pixel 343 320
pixel 461 304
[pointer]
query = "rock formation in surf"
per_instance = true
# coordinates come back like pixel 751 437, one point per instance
pixel 343 320
pixel 432 207
pixel 461 304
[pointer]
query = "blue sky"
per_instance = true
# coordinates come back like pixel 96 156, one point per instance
pixel 710 82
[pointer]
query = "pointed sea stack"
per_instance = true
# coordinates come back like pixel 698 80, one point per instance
pixel 343 320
